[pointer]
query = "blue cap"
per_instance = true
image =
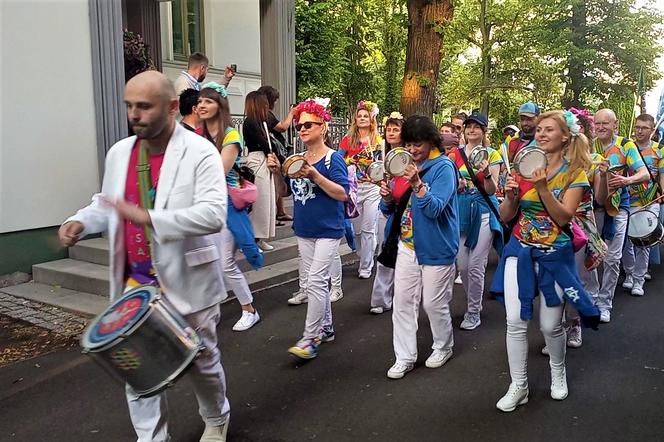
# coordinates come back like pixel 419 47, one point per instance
pixel 529 109
pixel 478 118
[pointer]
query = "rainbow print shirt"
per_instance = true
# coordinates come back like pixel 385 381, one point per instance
pixel 535 226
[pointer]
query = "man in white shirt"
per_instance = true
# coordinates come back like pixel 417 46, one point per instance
pixel 197 68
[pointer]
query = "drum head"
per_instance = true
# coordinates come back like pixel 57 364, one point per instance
pixel 396 161
pixel 477 155
pixel 528 161
pixel 642 224
pixel 119 317
pixel 295 166
pixel 375 171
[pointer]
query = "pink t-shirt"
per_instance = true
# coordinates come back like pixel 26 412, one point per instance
pixel 139 261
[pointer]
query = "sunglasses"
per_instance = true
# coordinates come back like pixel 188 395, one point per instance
pixel 308 125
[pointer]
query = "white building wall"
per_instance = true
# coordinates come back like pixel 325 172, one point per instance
pixel 48 152
pixel 232 36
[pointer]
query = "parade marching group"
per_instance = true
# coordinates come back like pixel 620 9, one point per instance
pixel 554 201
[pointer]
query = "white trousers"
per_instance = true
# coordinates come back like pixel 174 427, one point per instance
pixel 430 285
pixel 589 279
pixel 383 285
pixel 149 415
pixel 317 256
pixel 368 199
pixel 611 265
pixel 517 329
pixel 233 276
pixel 635 259
pixel 336 276
pixel 472 265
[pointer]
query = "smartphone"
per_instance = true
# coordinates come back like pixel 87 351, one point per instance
pixel 234 67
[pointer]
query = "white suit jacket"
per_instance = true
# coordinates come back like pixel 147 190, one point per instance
pixel 189 211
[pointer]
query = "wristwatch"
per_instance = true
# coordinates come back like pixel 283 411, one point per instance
pixel 417 188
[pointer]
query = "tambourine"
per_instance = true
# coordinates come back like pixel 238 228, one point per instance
pixel 397 160
pixel 293 164
pixel 528 160
pixel 477 155
pixel 376 172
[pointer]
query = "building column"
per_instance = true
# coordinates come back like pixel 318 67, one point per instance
pixel 108 74
pixel 277 25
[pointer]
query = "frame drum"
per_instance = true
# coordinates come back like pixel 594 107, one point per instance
pixel 293 164
pixel 528 160
pixel 397 160
pixel 477 155
pixel 376 172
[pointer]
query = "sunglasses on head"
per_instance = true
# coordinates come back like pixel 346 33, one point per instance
pixel 308 125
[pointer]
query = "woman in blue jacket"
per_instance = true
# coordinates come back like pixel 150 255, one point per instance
pixel 428 242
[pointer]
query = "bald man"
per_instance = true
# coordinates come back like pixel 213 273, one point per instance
pixel 175 219
pixel 619 151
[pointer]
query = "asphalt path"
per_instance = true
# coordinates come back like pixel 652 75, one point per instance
pixel 616 382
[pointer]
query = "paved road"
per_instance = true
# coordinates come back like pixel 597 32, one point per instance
pixel 616 383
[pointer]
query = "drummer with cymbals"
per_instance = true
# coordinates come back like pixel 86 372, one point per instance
pixel 162 237
pixel 319 189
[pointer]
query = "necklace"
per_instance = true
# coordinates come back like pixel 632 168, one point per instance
pixel 313 158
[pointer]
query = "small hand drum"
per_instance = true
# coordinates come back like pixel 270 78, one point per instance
pixel 293 164
pixel 477 155
pixel 397 160
pixel 376 172
pixel 528 160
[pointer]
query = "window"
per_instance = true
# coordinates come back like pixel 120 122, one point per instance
pixel 188 31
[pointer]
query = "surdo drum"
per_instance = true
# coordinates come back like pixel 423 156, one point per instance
pixel 397 160
pixel 528 160
pixel 644 228
pixel 293 164
pixel 142 340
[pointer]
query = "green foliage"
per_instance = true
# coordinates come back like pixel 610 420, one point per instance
pixel 137 57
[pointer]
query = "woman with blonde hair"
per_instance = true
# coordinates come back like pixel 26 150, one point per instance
pixel 360 148
pixel 539 258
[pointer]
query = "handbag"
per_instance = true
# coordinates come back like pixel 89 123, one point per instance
pixel 244 196
pixel 596 249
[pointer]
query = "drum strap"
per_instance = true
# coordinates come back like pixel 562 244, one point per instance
pixel 146 191
pixel 479 186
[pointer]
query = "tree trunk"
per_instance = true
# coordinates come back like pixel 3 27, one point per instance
pixel 485 49
pixel 427 18
pixel 576 80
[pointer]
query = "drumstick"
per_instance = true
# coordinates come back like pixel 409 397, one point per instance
pixel 659 198
pixel 506 159
pixel 267 134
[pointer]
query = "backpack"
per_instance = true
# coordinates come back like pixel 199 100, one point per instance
pixel 350 206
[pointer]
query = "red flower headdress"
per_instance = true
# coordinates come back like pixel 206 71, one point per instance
pixel 315 106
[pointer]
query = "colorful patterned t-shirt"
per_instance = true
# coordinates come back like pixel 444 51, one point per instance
pixel 623 153
pixel 361 155
pixel 641 194
pixel 494 158
pixel 535 226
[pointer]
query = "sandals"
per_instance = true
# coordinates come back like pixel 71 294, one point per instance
pixel 284 217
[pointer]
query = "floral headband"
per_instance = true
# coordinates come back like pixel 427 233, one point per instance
pixel 315 106
pixel 582 113
pixel 572 123
pixel 368 106
pixel 220 89
pixel 393 116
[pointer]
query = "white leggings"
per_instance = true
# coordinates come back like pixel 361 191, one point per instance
pixel 316 257
pixel 517 329
pixel 233 276
pixel 472 265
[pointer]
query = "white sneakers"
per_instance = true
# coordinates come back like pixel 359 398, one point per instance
pixel 399 370
pixel 605 316
pixel 264 246
pixel 628 283
pixel 558 384
pixel 438 358
pixel 215 434
pixel 247 320
pixel 637 289
pixel 364 274
pixel 299 297
pixel 574 336
pixel 515 396
pixel 336 294
pixel 470 321
pixel 378 310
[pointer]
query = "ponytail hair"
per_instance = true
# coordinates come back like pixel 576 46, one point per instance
pixel 576 149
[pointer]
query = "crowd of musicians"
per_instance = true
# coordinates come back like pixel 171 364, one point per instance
pixel 553 201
